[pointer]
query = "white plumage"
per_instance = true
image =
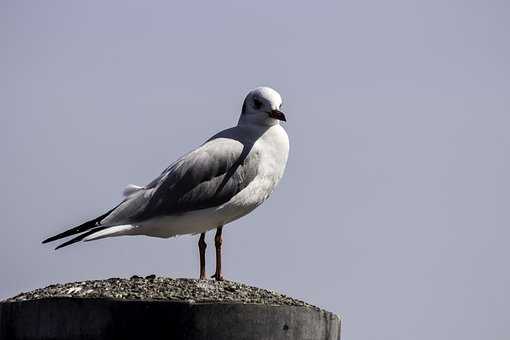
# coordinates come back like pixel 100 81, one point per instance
pixel 220 181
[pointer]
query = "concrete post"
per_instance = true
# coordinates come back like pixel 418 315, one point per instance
pixel 103 318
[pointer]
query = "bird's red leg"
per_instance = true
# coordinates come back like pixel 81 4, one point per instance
pixel 218 240
pixel 201 247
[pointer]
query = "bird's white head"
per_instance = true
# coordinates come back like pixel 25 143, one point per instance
pixel 262 106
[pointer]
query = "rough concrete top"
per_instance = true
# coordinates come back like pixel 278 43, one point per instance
pixel 162 288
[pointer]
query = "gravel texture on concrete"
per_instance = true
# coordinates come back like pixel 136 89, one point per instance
pixel 162 288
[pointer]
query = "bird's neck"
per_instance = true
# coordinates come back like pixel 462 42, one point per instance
pixel 246 120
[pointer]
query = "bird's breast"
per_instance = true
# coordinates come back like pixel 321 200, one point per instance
pixel 269 153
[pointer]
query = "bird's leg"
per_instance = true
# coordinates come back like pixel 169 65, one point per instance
pixel 218 240
pixel 201 247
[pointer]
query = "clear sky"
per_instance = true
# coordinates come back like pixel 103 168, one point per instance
pixel 394 210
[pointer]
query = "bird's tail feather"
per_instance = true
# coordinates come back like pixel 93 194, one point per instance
pixel 80 237
pixel 118 230
pixel 81 228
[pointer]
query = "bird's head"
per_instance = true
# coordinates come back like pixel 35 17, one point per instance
pixel 262 105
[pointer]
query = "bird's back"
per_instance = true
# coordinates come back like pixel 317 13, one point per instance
pixel 238 166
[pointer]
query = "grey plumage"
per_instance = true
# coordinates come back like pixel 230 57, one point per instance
pixel 222 180
pixel 206 177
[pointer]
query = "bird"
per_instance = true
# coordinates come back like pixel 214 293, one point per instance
pixel 222 180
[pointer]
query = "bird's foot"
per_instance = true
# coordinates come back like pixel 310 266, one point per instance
pixel 217 277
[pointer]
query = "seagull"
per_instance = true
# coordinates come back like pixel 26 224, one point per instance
pixel 225 178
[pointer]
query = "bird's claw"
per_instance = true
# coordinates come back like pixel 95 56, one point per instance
pixel 217 277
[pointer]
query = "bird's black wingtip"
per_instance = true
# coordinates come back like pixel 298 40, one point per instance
pixel 51 239
pixel 62 245
pixel 80 237
pixel 91 224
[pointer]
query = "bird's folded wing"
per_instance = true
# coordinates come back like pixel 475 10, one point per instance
pixel 206 177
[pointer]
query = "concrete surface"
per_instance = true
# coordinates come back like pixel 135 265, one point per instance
pixel 101 318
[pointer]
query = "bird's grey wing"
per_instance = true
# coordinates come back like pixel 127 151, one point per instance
pixel 206 177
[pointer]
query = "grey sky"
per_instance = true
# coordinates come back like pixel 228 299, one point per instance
pixel 394 208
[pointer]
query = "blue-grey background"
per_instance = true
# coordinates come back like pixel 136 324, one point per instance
pixel 394 210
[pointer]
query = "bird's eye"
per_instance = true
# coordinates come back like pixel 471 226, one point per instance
pixel 257 103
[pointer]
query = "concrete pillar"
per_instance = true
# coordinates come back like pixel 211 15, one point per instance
pixel 102 318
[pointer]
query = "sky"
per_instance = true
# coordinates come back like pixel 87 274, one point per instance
pixel 394 208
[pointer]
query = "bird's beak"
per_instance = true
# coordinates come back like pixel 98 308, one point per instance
pixel 277 114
